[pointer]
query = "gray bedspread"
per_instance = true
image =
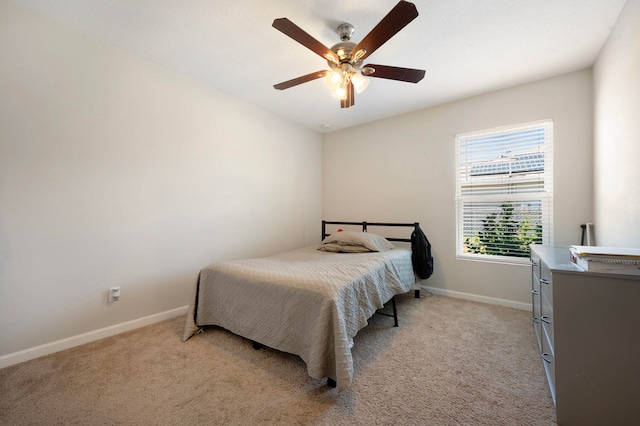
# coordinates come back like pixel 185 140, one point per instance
pixel 305 302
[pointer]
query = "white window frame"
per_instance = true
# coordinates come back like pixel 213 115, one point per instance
pixel 503 172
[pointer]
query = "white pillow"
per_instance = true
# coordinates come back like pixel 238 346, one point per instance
pixel 355 242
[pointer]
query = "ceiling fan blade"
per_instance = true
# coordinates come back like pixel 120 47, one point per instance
pixel 403 13
pixel 350 99
pixel 300 80
pixel 409 75
pixel 301 36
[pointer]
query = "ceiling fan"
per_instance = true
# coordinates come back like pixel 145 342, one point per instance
pixel 347 74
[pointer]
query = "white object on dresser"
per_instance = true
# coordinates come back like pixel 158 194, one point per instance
pixel 587 325
pixel 607 259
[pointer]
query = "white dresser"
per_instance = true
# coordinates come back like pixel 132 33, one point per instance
pixel 588 330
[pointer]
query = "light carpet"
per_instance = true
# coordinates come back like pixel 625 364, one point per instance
pixel 451 362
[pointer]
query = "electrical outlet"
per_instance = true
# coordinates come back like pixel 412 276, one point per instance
pixel 114 294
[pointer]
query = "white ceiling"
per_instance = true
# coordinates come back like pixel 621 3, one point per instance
pixel 467 47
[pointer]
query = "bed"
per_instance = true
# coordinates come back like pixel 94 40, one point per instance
pixel 310 302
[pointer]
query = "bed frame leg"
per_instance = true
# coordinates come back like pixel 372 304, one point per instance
pixel 395 311
pixel 256 345
pixel 331 383
pixel 417 294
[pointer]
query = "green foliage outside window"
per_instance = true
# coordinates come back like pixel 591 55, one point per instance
pixel 503 234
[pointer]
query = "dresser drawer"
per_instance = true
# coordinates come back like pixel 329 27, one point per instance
pixel 549 365
pixel 537 324
pixel 546 315
pixel 535 264
pixel 537 312
pixel 546 289
pixel 547 328
pixel 536 296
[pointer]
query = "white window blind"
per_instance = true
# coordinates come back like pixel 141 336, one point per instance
pixel 504 191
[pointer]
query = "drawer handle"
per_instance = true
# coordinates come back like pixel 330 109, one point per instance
pixel 545 281
pixel 545 319
pixel 544 355
pixel 535 292
pixel 536 320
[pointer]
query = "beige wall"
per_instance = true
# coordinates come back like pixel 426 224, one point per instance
pixel 617 133
pixel 402 169
pixel 117 172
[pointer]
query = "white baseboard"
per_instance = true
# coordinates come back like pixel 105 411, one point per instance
pixel 80 339
pixel 481 299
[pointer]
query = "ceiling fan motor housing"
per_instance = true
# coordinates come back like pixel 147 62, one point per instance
pixel 344 48
pixel 344 51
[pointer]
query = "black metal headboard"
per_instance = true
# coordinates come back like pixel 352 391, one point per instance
pixel 365 225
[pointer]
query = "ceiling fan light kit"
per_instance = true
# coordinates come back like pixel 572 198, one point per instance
pixel 347 74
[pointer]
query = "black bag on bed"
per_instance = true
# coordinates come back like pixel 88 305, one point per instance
pixel 421 254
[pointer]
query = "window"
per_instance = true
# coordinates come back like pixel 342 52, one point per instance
pixel 504 192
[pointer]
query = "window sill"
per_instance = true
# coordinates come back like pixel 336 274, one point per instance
pixel 503 260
